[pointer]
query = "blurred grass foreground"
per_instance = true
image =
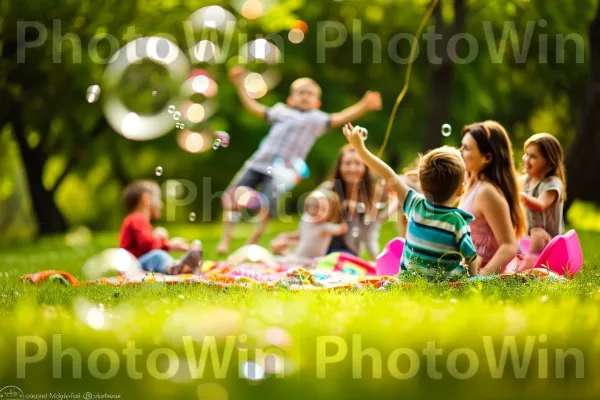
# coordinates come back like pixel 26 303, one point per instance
pixel 488 339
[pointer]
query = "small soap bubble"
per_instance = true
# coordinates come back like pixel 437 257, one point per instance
pixel 171 109
pixel 181 126
pixel 154 92
pixel 446 130
pixel 354 231
pixel 159 171
pixel 216 144
pixel 364 132
pixel 269 170
pixel 192 217
pixel 93 93
pixel 176 115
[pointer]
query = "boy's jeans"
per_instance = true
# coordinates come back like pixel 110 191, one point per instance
pixel 156 261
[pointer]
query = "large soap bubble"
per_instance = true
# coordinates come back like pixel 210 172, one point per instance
pixel 134 125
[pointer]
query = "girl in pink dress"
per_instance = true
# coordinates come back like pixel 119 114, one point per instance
pixel 492 195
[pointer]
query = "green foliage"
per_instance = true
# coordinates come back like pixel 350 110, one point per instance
pixel 525 97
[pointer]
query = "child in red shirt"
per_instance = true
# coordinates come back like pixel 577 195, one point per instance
pixel 143 202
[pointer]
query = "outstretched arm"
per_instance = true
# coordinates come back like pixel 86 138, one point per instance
pixel 540 204
pixel 236 75
pixel 370 101
pixel 332 229
pixel 380 168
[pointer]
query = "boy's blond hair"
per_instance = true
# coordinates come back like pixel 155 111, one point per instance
pixel 441 172
pixel 134 191
pixel 298 83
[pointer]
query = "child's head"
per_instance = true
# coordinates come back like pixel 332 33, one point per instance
pixel 441 174
pixel 543 157
pixel 143 196
pixel 305 94
pixel 322 205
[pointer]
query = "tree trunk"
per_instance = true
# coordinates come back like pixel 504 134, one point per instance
pixel 442 74
pixel 582 161
pixel 49 218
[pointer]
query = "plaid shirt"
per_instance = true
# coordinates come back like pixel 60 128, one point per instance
pixel 293 133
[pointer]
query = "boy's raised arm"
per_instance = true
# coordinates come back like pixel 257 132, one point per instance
pixel 236 74
pixel 380 168
pixel 370 101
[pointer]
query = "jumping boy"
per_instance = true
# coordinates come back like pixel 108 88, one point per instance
pixel 295 126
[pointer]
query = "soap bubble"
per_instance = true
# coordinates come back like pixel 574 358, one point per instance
pixel 192 217
pixel 93 93
pixel 194 142
pixel 223 137
pixel 252 9
pixel 446 130
pixel 252 371
pixel 176 115
pixel 216 144
pixel 206 51
pixel 202 90
pixel 158 171
pixel 111 262
pixel 354 232
pixel 260 58
pixel 296 36
pixel 363 131
pixel 154 93
pixel 269 170
pixel 171 109
pixel 212 17
pixel 138 125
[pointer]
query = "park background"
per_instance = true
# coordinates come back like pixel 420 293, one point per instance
pixel 62 166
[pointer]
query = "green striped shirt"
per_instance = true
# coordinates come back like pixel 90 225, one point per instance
pixel 437 237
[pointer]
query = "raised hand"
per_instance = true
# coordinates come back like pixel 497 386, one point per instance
pixel 372 100
pixel 354 136
pixel 236 73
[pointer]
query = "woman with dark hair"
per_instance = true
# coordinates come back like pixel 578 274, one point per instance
pixel 492 194
pixel 364 206
pixel 360 196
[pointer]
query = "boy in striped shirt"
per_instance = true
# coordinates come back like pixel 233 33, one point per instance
pixel 438 236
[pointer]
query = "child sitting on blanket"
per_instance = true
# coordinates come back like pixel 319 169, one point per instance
pixel 322 219
pixel 544 193
pixel 438 235
pixel 143 202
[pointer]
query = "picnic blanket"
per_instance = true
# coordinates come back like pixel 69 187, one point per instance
pixel 260 275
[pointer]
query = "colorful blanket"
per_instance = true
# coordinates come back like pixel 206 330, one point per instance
pixel 249 275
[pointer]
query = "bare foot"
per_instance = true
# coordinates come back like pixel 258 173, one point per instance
pixel 223 248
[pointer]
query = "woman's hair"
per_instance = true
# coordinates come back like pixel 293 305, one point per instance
pixel 552 151
pixel 491 138
pixel 334 212
pixel 366 187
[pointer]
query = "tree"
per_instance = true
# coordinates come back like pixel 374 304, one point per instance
pixel 582 162
pixel 442 72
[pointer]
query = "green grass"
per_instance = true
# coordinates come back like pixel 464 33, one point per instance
pixel 305 328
